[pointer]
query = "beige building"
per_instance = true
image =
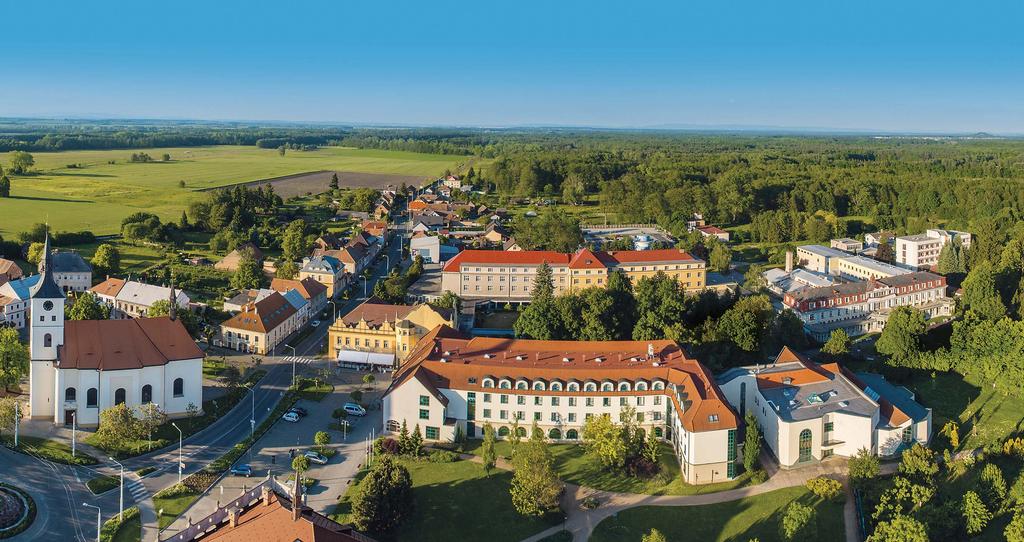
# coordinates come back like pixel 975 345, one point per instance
pixel 508 275
pixel 451 383
pixel 260 326
pixel 381 328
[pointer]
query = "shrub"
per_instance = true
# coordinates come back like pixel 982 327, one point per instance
pixel 386 445
pixel 825 488
pixel 641 467
pixel 798 522
pixel 442 456
pixel 759 477
pixel 590 503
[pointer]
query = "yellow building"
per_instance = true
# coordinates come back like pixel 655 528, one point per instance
pixel 378 327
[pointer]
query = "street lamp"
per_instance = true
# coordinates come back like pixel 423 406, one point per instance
pixel 295 357
pixel 120 513
pixel 149 425
pixel 335 307
pixel 181 437
pixel 387 261
pixel 364 285
pixel 99 519
pixel 74 427
pixel 252 418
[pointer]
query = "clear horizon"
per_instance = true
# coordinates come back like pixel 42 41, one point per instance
pixel 913 67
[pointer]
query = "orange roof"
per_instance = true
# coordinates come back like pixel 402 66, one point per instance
pixel 273 521
pixel 711 229
pixel 263 315
pixel 375 227
pixel 806 373
pixel 446 359
pixel 109 287
pixel 111 345
pixel 308 287
pixel 499 257
pixel 585 259
pixel 10 269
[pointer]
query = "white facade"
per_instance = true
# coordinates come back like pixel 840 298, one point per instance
pixel 922 251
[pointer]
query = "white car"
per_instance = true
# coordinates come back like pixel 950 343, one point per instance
pixel 315 323
pixel 290 417
pixel 354 409
pixel 316 457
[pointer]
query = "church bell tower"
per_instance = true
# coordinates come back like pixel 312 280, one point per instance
pixel 46 334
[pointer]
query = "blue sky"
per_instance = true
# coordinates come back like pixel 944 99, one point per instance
pixel 874 65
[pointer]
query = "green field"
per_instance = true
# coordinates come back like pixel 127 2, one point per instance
pixel 98 194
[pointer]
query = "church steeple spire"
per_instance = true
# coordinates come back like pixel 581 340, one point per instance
pixel 46 287
pixel 173 306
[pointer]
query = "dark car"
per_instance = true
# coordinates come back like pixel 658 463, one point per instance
pixel 299 410
pixel 242 470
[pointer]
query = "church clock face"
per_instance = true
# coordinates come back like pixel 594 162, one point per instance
pixel 48 305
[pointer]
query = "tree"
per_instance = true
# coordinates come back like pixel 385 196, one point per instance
pixel 539 319
pixel 900 528
pixel 884 253
pixel 191 410
pixel 604 441
pixel 5 186
pixel 838 343
pixel 823 487
pixel 981 296
pixel 918 462
pixel 514 437
pixel 35 253
pixel 652 448
pixel 287 269
pixel 187 318
pixel 798 521
pixel 369 379
pixel 8 412
pixel 21 162
pixel 1014 531
pixel 356 396
pixel 281 150
pixel 166 157
pixel 249 274
pixel 901 336
pixel 403 440
pixel 744 323
pixel 322 439
pixel 751 443
pixel 654 536
pixel 951 258
pixel 416 442
pixel 14 358
pixel 976 515
pixel 118 426
pixel 384 498
pixel 487 453
pixel 952 432
pixel 295 242
pixel 448 300
pixel 88 307
pixel 150 417
pixel 334 181
pixel 993 486
pixel 300 464
pixel 720 258
pixel 107 259
pixel 863 466
pixel 535 486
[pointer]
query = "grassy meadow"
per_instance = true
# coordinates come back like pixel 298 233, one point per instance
pixel 105 186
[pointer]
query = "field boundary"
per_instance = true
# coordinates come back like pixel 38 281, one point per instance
pixel 268 180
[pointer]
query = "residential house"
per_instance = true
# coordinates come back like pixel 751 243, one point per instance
pixel 14 301
pixel 714 231
pixel 230 262
pixel 327 270
pixel 71 272
pixel 452 384
pixel 809 412
pixel 328 241
pixel 846 244
pixel 311 290
pixel 260 326
pixel 9 270
pixel 133 299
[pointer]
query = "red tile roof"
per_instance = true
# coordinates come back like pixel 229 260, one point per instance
pixel 507 257
pixel 582 259
pixel 308 287
pixel 447 359
pixel 263 315
pixel 112 345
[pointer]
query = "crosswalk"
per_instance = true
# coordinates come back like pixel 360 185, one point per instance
pixel 299 360
pixel 137 490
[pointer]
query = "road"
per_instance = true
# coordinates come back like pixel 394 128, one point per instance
pixel 61 514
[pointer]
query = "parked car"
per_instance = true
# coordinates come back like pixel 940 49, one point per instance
pixel 316 457
pixel 354 409
pixel 290 417
pixel 242 470
pixel 299 410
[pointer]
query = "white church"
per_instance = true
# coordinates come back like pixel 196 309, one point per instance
pixel 80 368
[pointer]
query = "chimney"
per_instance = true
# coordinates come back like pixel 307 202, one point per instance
pixel 265 495
pixel 789 261
pixel 233 518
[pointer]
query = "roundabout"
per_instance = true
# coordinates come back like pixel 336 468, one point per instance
pixel 17 510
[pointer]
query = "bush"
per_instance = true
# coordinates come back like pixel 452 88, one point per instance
pixel 590 503
pixel 113 525
pixel 798 522
pixel 20 527
pixel 759 476
pixel 641 467
pixel 385 445
pixel 442 456
pixel 825 488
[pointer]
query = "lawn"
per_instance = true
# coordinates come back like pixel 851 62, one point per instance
pixel 456 501
pixel 750 518
pixel 171 507
pixel 103 483
pixel 129 530
pixel 573 465
pixel 52 450
pixel 97 195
